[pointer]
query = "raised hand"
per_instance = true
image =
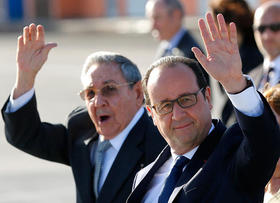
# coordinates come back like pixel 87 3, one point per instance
pixel 32 52
pixel 223 60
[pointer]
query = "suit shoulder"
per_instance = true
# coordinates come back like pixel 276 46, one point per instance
pixel 79 119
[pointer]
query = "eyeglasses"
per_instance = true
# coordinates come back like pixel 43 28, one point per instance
pixel 184 101
pixel 274 27
pixel 108 90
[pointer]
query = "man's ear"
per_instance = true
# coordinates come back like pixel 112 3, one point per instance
pixel 177 14
pixel 151 113
pixel 208 96
pixel 139 93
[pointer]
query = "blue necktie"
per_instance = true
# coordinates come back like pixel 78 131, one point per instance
pixel 101 148
pixel 172 179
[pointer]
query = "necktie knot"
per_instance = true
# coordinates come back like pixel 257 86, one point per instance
pixel 103 146
pixel 181 162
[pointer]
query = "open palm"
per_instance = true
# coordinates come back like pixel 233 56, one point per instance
pixel 223 60
pixel 32 52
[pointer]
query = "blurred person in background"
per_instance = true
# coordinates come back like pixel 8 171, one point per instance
pixel 105 143
pixel 267 35
pixel 237 11
pixel 166 17
pixel 272 189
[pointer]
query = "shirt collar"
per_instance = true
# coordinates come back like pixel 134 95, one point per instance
pixel 176 38
pixel 274 63
pixel 117 141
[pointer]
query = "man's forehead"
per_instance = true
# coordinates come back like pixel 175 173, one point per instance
pixel 102 75
pixel 172 78
pixel 165 71
pixel 271 13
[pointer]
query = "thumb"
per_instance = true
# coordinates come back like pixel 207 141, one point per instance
pixel 202 59
pixel 47 48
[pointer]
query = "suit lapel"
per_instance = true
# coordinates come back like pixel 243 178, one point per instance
pixel 200 158
pixel 257 74
pixel 141 189
pixel 82 168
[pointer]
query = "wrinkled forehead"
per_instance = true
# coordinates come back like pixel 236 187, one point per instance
pixel 102 74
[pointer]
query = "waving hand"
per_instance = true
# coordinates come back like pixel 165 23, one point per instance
pixel 32 52
pixel 223 60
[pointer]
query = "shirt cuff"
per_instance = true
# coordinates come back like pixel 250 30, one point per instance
pixel 248 101
pixel 16 104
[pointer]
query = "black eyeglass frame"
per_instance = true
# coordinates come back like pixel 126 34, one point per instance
pixel 274 27
pixel 177 100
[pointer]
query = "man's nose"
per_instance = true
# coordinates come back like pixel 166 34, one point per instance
pixel 99 100
pixel 178 112
pixel 267 33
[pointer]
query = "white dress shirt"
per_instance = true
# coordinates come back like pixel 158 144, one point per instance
pixel 116 143
pixel 158 180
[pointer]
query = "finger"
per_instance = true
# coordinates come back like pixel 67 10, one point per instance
pixel 20 43
pixel 233 33
pixel 32 32
pixel 47 48
pixel 212 26
pixel 222 26
pixel 40 33
pixel 204 33
pixel 25 34
pixel 202 59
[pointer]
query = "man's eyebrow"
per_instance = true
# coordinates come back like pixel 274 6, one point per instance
pixel 183 94
pixel 109 81
pixel 91 85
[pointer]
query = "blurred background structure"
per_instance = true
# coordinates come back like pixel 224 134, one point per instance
pixel 20 11
pixel 79 27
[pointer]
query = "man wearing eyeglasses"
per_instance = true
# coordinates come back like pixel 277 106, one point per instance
pixel 267 35
pixel 204 161
pixel 105 143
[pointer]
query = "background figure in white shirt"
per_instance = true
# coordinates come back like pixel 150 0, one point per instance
pixel 267 35
pixel 114 114
pixel 204 161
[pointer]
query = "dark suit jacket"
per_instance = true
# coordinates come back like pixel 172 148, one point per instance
pixel 231 165
pixel 71 146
